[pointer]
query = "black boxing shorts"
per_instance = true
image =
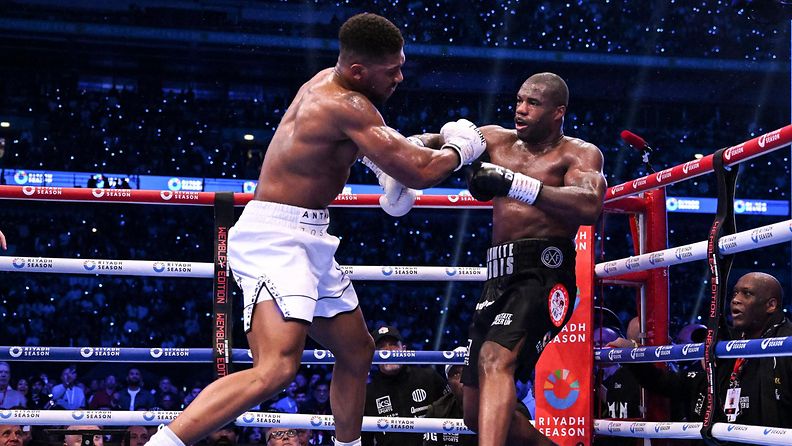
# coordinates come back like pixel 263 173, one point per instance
pixel 529 293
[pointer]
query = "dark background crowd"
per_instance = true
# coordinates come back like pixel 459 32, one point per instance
pixel 141 88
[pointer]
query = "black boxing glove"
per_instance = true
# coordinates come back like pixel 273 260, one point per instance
pixel 487 180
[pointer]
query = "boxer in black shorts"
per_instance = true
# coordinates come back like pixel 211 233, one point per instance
pixel 529 293
pixel 544 186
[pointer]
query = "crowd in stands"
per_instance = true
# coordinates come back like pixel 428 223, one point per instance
pixel 728 29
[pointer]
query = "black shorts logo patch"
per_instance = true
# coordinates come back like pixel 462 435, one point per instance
pixel 557 304
pixel 552 257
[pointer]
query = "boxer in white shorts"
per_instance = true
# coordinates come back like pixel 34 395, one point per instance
pixel 281 252
pixel 284 253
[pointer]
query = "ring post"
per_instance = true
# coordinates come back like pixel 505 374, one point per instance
pixel 222 327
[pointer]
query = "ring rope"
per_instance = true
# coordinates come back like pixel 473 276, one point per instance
pixel 247 419
pixel 205 270
pixel 135 196
pixel 744 151
pixel 196 355
pixel 741 348
pixel 742 241
pixel 743 433
pixel 745 348
pixel 759 237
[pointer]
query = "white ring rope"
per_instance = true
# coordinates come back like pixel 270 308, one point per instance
pixel 742 241
pixel 742 433
pixel 760 237
pixel 247 419
pixel 205 270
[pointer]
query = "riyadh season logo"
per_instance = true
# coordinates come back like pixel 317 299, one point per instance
pixel 149 415
pixel 772 342
pixel 78 415
pixel 387 271
pixel 561 389
pixel 690 166
pixel 15 352
pixel 20 177
pixel 736 150
pixel 166 195
pixel 450 271
pixel 448 426
pixel 247 417
pixel 158 267
pixel 18 263
pixel 382 423
pixel 768 138
pixel 5 414
pixel 89 265
pixel 86 352
pixel 155 352
pixel 98 193
pixel 316 421
pixel 322 354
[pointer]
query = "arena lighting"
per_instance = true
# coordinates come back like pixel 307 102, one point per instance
pixel 248 137
pixel 5 124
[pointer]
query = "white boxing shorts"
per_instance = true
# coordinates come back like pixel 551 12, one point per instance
pixel 284 253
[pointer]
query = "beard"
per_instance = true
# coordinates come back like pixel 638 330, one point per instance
pixel 390 369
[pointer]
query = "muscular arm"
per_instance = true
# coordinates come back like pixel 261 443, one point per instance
pixel 413 166
pixel 580 198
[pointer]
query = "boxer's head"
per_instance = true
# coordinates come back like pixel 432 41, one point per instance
pixel 541 106
pixel 370 56
pixel 388 338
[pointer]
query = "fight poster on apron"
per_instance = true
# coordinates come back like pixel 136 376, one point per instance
pixel 564 378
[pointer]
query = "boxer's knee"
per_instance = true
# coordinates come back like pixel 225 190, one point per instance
pixel 356 356
pixel 278 374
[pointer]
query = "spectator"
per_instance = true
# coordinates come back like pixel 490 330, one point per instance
pixel 23 387
pixel 253 435
pixel 77 439
pixel 11 397
pixel 11 435
pixel 167 401
pixel 106 397
pixel 225 436
pixel 194 391
pixel 164 386
pixel 282 436
pixel 449 406
pixel 134 397
pixel 37 396
pixel 304 437
pixel 398 390
pixel 319 402
pixel 68 394
pixel 138 435
pixel 765 391
pixel 618 389
pixel 286 403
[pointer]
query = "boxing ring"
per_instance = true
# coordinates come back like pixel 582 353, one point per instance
pixel 648 268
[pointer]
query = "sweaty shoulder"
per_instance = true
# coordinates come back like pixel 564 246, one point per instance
pixel 498 137
pixel 584 151
pixel 579 145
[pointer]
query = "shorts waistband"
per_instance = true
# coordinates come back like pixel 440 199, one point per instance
pixel 518 255
pixel 288 215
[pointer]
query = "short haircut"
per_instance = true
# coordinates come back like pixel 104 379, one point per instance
pixel 557 89
pixel 370 36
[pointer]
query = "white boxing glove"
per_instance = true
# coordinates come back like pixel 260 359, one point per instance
pixel 397 199
pixel 463 137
